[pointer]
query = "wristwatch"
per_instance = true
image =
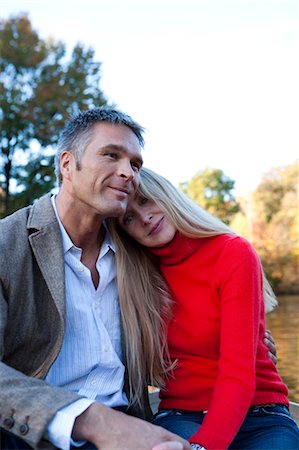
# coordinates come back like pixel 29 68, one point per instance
pixel 197 446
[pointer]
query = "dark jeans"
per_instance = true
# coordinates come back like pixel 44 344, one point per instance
pixel 11 442
pixel 264 428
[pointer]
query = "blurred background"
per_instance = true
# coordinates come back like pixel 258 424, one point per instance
pixel 215 84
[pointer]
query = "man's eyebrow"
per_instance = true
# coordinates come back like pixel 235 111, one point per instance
pixel 113 147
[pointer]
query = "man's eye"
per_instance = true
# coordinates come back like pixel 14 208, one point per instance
pixel 136 166
pixel 112 155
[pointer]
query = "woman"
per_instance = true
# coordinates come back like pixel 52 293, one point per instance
pixel 224 391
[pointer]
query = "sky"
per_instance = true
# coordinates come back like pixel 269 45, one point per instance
pixel 214 82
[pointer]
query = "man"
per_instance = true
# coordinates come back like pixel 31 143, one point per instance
pixel 62 372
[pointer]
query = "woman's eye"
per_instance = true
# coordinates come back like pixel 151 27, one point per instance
pixel 143 200
pixel 127 220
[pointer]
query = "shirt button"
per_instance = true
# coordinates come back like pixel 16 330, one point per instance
pixel 106 348
pixel 24 429
pixel 93 383
pixel 81 269
pixel 8 422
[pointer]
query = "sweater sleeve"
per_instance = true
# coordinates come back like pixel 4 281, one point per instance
pixel 238 280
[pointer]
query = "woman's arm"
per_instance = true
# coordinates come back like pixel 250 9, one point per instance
pixel 238 280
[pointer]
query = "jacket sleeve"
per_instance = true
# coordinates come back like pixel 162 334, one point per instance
pixel 27 404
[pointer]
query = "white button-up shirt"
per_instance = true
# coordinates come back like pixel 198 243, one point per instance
pixel 90 360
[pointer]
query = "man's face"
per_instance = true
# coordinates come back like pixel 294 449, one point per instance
pixel 108 172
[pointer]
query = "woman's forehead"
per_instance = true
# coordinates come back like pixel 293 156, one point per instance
pixel 133 202
pixel 137 198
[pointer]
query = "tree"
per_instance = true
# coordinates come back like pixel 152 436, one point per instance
pixel 212 190
pixel 276 227
pixel 35 179
pixel 39 91
pixel 269 218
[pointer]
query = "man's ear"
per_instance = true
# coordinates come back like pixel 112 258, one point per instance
pixel 66 164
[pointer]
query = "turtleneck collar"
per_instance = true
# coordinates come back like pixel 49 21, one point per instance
pixel 178 249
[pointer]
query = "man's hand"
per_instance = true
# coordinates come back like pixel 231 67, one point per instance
pixel 270 343
pixel 108 429
pixel 169 446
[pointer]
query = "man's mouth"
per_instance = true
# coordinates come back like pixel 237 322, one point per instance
pixel 120 190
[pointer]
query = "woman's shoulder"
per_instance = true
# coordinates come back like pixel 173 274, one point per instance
pixel 235 244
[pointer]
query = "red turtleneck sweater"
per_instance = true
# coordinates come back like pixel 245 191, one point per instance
pixel 216 335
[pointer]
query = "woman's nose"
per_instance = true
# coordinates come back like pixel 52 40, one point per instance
pixel 147 217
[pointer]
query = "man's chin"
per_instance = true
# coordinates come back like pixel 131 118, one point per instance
pixel 120 210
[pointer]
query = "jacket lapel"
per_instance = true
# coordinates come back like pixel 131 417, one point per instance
pixel 46 243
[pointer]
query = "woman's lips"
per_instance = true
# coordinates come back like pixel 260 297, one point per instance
pixel 157 227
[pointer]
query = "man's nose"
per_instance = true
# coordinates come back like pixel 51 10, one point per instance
pixel 126 170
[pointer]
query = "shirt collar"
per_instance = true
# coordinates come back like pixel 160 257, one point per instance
pixel 67 243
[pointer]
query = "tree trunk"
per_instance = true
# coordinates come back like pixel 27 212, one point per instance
pixel 7 173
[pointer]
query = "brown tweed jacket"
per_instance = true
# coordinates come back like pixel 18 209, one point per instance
pixel 32 317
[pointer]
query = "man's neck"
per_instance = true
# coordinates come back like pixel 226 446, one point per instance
pixel 86 230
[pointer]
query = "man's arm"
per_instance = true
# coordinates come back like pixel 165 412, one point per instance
pixel 107 429
pixel 27 404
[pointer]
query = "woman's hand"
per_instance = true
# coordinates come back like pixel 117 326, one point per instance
pixel 270 343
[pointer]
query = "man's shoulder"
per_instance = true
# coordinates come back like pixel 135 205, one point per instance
pixel 32 216
pixel 13 222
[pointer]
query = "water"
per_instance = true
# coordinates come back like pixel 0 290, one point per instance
pixel 284 325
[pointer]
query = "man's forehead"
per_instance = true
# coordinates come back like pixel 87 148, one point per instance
pixel 114 129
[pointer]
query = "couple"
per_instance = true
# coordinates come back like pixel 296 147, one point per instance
pixel 75 357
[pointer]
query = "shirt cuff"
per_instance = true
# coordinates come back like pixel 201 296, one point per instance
pixel 60 428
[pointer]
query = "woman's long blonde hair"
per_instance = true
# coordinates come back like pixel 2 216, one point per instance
pixel 143 295
pixel 145 306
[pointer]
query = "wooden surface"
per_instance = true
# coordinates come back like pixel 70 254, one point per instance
pixel 154 400
pixel 294 408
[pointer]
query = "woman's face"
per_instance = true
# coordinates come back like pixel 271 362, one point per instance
pixel 146 223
